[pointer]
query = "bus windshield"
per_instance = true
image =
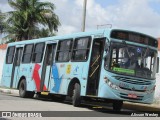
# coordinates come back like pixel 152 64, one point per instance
pixel 133 60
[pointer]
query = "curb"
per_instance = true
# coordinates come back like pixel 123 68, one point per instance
pixel 9 91
pixel 126 105
pixel 141 107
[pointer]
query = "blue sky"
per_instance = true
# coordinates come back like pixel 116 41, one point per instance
pixel 105 3
pixel 138 15
pixel 155 5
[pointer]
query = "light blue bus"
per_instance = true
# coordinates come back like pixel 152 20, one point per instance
pixel 110 65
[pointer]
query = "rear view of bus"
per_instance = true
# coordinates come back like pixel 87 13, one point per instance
pixel 130 67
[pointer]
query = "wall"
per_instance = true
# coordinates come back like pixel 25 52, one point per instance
pixel 2 57
pixel 157 92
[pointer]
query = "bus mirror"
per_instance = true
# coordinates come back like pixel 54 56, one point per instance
pixel 106 50
pixel 157 64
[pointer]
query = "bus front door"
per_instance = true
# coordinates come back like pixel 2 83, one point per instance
pixel 95 67
pixel 15 68
pixel 47 64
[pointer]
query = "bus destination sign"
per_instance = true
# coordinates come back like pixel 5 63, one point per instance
pixel 134 37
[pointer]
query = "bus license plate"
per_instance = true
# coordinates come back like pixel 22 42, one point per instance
pixel 132 96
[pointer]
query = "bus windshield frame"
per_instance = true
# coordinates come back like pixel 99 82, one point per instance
pixel 132 60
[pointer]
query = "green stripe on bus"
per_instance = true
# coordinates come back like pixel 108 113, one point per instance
pixel 123 70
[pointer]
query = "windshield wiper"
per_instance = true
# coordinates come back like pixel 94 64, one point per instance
pixel 126 47
pixel 146 52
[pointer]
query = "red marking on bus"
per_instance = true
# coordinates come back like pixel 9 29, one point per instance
pixel 132 96
pixel 36 77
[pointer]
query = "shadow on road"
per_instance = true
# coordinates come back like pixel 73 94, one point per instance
pixel 94 109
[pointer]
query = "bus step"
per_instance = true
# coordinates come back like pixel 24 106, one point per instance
pixel 94 96
pixel 44 93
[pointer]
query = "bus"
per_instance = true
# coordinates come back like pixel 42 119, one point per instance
pixel 112 65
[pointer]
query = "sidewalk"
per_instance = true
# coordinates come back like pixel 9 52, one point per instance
pixel 127 105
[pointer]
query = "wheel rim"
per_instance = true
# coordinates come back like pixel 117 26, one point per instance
pixel 21 89
pixel 73 94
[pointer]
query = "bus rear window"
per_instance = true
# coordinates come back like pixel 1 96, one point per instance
pixel 10 55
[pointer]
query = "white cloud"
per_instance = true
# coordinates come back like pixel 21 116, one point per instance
pixel 128 14
pixel 136 15
pixel 67 29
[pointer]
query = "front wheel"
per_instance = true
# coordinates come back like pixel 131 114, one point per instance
pixel 76 98
pixel 23 92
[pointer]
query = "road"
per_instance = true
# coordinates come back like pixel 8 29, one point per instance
pixel 10 102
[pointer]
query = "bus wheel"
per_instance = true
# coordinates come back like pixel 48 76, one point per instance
pixel 117 105
pixel 22 90
pixel 76 98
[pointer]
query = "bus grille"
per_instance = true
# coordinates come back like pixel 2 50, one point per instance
pixel 132 89
pixel 133 81
pixel 125 96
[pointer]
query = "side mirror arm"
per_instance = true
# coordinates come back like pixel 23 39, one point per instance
pixel 157 64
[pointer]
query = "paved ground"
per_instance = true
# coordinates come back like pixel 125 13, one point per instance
pixel 12 102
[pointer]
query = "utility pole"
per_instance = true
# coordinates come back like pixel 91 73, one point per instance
pixel 84 15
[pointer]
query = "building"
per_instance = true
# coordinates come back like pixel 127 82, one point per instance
pixel 157 95
pixel 159 44
pixel 2 55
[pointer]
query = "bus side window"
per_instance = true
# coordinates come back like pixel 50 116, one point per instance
pixel 38 53
pixel 81 49
pixel 10 55
pixel 27 54
pixel 64 50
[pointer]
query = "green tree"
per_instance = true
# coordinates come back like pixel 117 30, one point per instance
pixel 30 18
pixel 1 22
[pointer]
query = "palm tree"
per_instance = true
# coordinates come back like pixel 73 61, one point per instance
pixel 29 18
pixel 1 22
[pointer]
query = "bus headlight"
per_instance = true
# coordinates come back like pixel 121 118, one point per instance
pixel 110 84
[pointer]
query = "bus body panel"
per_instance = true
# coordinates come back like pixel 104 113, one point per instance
pixel 143 93
pixel 6 79
pixel 26 71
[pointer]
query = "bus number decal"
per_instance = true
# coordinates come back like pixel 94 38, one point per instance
pixel 62 65
pixel 76 70
pixel 36 77
pixel 57 79
pixel 68 70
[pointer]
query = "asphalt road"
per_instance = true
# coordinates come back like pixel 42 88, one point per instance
pixel 48 108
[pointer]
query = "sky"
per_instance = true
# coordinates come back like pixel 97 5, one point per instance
pixel 137 15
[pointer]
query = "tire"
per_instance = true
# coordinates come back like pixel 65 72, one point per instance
pixel 23 92
pixel 76 98
pixel 117 105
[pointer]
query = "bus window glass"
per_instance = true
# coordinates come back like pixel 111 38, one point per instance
pixel 81 49
pixel 10 55
pixel 38 53
pixel 27 53
pixel 64 50
pixel 133 60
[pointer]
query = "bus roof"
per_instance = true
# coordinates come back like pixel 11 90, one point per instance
pixel 67 36
pixel 103 32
